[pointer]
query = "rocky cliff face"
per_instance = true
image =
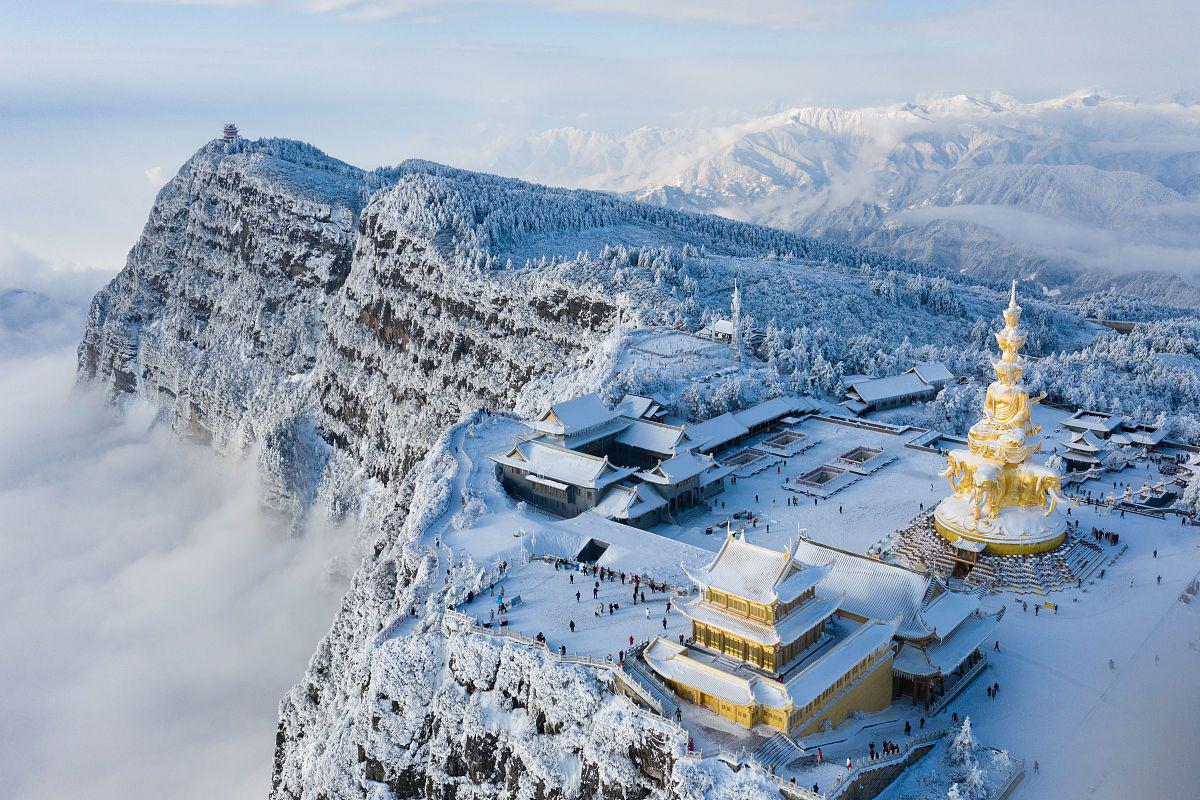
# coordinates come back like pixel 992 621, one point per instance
pixel 334 322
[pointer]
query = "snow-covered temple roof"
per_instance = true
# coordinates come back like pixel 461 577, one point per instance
pixel 676 663
pixel 944 613
pixel 932 372
pixel 1084 441
pixel 945 655
pixel 574 416
pixel 655 437
pixel 893 386
pixel 629 501
pixel 756 573
pixel 871 639
pixel 717 431
pixel 681 467
pixel 773 409
pixel 561 464
pixel 635 406
pixel 1098 421
pixel 877 590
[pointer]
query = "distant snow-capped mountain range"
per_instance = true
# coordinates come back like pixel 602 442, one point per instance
pixel 1078 194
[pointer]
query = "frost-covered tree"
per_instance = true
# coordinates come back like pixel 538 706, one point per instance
pixel 955 408
pixel 1189 501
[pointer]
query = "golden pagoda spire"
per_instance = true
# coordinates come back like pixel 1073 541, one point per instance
pixel 994 473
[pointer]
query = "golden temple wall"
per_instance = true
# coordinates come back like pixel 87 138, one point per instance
pixel 872 693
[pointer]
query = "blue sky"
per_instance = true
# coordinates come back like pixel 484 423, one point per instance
pixel 93 95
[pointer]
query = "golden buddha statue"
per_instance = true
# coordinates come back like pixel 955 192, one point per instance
pixel 994 483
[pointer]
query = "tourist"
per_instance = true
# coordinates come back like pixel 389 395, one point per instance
pixel 647 612
pixel 678 714
pixel 577 595
pixel 996 646
pixel 572 626
pixel 849 765
pixel 1037 768
pixel 820 756
pixel 1159 579
pixel 908 728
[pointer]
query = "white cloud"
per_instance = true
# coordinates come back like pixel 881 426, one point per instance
pixel 155 176
pixel 152 615
pixel 1061 240
pixel 806 14
pixel 22 268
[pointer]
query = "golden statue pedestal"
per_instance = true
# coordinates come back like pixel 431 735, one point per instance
pixel 1016 530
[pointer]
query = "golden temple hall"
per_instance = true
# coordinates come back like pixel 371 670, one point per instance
pixel 762 650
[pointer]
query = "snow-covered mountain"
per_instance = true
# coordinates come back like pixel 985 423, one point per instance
pixel 1078 194
pixel 334 323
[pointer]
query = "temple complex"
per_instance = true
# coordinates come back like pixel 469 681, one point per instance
pixel 1003 503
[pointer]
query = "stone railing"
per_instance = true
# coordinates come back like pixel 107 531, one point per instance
pixel 958 687
pixel 1012 781
pixel 909 747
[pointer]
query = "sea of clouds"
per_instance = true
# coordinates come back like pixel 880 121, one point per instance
pixel 151 613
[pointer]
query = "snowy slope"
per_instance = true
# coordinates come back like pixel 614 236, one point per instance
pixel 987 184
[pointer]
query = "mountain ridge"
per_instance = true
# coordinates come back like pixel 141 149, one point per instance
pixel 1096 164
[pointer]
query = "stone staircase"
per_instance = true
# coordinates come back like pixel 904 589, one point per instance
pixel 776 752
pixel 690 515
pixel 637 669
pixel 919 547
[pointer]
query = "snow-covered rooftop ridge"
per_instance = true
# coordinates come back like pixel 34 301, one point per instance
pixel 874 589
pixel 629 501
pixel 1085 441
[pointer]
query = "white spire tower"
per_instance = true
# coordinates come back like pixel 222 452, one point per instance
pixel 736 307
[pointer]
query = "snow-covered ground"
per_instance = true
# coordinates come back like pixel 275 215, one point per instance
pixel 854 518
